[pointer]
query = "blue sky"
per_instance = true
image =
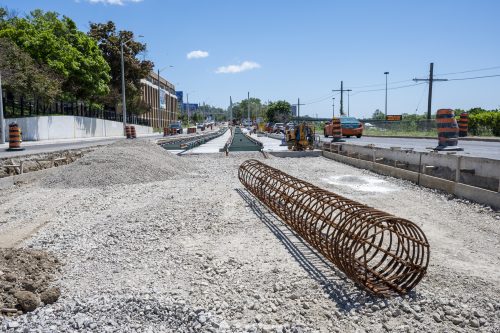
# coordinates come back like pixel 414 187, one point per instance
pixel 289 49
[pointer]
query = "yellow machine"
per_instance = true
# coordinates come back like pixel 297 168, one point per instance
pixel 300 137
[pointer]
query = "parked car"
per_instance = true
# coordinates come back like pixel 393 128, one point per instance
pixel 200 126
pixel 279 128
pixel 351 127
pixel 177 126
pixel 269 127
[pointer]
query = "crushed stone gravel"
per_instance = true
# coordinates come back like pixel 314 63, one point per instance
pixel 176 244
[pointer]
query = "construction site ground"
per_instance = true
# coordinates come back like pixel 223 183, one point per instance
pixel 148 241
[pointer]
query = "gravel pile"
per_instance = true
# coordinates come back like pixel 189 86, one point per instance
pixel 125 162
pixel 192 251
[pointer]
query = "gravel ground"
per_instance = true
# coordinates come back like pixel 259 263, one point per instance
pixel 152 242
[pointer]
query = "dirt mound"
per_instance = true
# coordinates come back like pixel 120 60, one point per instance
pixel 124 162
pixel 25 278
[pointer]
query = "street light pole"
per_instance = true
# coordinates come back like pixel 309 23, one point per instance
pixel 2 126
pixel 160 118
pixel 386 73
pixel 187 106
pixel 333 107
pixel 124 105
pixel 159 102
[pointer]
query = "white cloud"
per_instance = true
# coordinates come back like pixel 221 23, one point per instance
pixel 244 66
pixel 113 2
pixel 197 54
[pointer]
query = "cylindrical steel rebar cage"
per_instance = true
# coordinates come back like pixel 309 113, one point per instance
pixel 385 254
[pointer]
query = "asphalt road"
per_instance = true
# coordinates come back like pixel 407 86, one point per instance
pixel 471 148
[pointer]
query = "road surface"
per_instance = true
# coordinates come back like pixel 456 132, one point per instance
pixel 471 148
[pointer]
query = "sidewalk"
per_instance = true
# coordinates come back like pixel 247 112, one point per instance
pixel 47 146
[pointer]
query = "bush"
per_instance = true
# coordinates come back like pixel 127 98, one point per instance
pixel 484 123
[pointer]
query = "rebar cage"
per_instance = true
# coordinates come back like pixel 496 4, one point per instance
pixel 383 253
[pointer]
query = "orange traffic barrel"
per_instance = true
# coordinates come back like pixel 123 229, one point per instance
pixel 133 134
pixel 447 128
pixel 128 132
pixel 463 124
pixel 336 130
pixel 15 137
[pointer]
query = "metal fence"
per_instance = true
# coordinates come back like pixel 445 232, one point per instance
pixel 18 108
pixel 416 127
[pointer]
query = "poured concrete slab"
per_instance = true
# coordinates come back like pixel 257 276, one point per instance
pixel 213 146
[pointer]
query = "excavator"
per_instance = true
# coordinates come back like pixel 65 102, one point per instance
pixel 300 137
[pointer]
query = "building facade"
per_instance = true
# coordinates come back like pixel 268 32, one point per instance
pixel 163 108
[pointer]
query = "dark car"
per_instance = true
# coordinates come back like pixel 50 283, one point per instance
pixel 177 126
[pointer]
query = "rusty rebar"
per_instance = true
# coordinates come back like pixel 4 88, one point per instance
pixel 383 253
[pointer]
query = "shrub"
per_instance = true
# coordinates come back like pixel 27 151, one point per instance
pixel 485 123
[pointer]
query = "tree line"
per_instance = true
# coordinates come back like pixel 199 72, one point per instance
pixel 481 121
pixel 44 56
pixel 276 112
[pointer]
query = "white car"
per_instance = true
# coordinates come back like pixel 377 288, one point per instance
pixel 279 128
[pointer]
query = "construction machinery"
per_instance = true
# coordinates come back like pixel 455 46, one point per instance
pixel 300 137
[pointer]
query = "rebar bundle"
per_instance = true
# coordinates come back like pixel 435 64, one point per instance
pixel 383 253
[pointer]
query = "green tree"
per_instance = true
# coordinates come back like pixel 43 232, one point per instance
pixel 57 43
pixel 279 111
pixel 22 76
pixel 378 115
pixel 240 110
pixel 109 41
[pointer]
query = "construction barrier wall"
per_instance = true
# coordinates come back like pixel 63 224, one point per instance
pixel 473 178
pixel 68 127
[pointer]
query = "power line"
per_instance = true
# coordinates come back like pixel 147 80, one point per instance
pixel 342 96
pixel 322 99
pixel 314 100
pixel 470 71
pixel 473 78
pixel 379 84
pixel 393 88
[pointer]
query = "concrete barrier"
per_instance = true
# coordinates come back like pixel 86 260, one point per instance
pixel 419 176
pixel 69 127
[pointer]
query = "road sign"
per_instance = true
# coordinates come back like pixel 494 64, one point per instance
pixel 394 117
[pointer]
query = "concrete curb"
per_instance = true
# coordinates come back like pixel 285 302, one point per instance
pixel 464 191
pixel 474 138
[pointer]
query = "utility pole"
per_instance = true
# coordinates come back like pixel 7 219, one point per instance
pixel 333 107
pixel 386 73
pixel 348 104
pixel 187 106
pixel 248 107
pixel 342 96
pixel 298 109
pixel 230 110
pixel 2 127
pixel 431 79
